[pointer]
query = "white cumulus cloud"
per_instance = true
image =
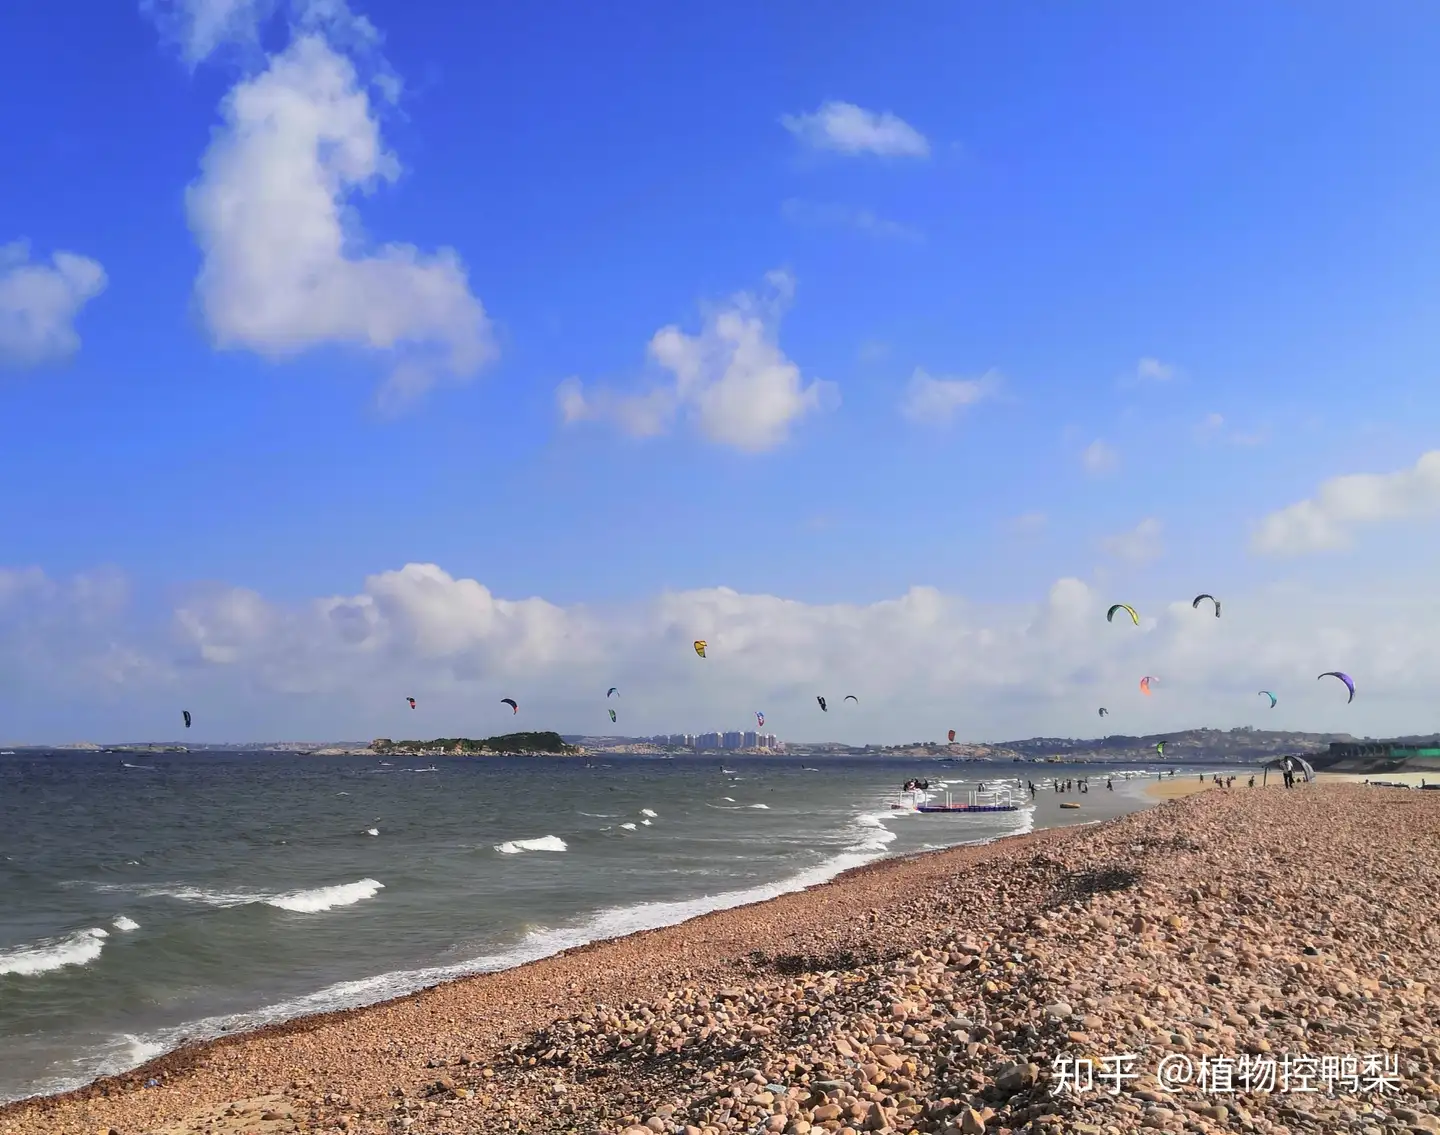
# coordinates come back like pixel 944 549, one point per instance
pixel 1326 521
pixel 341 666
pixel 1099 458
pixel 935 401
pixel 846 128
pixel 1153 370
pixel 731 378
pixel 286 266
pixel 39 303
pixel 1140 545
pixel 198 28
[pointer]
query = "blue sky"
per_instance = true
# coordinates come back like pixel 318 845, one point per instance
pixel 1204 239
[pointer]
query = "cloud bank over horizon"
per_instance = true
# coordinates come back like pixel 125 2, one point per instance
pixel 921 662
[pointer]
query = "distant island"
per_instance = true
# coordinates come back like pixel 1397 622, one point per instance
pixel 538 744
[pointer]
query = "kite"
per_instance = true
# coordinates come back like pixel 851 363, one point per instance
pixel 1273 699
pixel 1349 682
pixel 511 703
pixel 852 697
pixel 1104 712
pixel 412 702
pixel 1110 614
pixel 613 690
pixel 1145 684
pixel 612 715
pixel 759 718
pixel 1160 748
pixel 185 713
pixel 1212 599
pixel 952 736
pixel 823 706
pixel 700 647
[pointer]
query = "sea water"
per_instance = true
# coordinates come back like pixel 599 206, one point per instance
pixel 147 900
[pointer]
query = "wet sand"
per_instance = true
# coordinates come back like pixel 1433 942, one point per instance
pixel 927 994
pixel 1175 788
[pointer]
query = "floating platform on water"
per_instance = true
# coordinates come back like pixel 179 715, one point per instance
pixel 967 807
pixel 994 801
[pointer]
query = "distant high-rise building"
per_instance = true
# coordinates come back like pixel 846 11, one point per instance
pixel 751 741
pixel 732 739
pixel 707 741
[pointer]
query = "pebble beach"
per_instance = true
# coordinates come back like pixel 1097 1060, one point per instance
pixel 1270 941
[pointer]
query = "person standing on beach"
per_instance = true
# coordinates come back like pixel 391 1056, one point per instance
pixel 1110 784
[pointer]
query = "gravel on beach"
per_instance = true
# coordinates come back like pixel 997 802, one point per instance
pixel 1241 934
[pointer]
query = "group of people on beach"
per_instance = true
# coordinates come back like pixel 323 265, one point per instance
pixel 1229 781
pixel 1081 784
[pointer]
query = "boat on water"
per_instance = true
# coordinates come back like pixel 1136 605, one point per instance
pixel 994 800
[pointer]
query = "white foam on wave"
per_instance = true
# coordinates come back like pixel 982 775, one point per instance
pixel 77 949
pixel 372 831
pixel 729 798
pixel 326 898
pixel 540 843
pixel 766 807
pixel 126 924
pixel 307 901
pixel 630 827
pixel 599 815
pixel 647 812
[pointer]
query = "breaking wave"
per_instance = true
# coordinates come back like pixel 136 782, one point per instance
pixel 540 843
pixel 77 949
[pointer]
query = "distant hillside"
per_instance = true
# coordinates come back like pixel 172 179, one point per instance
pixel 1241 744
pixel 536 743
pixel 1233 743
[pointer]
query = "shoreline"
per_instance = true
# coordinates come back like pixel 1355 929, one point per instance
pixel 341 1070
pixel 188 1057
pixel 339 995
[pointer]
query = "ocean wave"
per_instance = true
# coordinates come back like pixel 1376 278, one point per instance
pixel 872 838
pixel 765 807
pixel 630 827
pixel 540 843
pixel 306 901
pixel 326 898
pixel 77 949
pixel 123 923
pixel 647 812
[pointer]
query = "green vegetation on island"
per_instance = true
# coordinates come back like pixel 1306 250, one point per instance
pixel 534 743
